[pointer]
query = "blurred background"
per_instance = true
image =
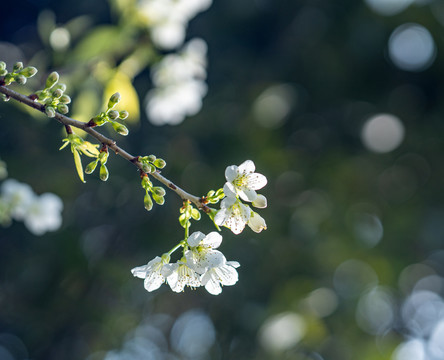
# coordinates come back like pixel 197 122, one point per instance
pixel 337 102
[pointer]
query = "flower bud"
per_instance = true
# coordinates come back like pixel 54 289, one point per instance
pixel 2 65
pixel 148 168
pixel 159 191
pixel 160 200
pixel 29 71
pixel 91 167
pixel 146 183
pixel 50 111
pixel 147 202
pixel 123 114
pixel 61 87
pixel 17 66
pixel 195 214
pixel 260 202
pixel 103 172
pixel 3 72
pixel 52 79
pixel 20 79
pixel 65 99
pixel 62 108
pixel 121 129
pixel 113 100
pixel 159 163
pixel 103 157
pixel 113 114
pixel 151 158
pixel 57 93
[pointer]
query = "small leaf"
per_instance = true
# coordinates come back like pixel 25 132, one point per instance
pixel 78 163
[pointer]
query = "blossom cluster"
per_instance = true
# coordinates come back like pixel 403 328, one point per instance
pixel 40 213
pixel 242 183
pixel 179 80
pixel 201 265
pixel 168 19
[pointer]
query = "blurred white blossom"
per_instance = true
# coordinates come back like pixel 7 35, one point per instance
pixel 168 19
pixel 39 213
pixel 179 81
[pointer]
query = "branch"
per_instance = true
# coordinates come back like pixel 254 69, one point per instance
pixel 65 120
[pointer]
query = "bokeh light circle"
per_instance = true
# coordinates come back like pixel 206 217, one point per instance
pixel 411 47
pixel 382 133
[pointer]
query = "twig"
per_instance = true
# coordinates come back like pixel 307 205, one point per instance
pixel 65 120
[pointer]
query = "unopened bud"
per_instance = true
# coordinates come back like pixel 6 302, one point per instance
pixel 151 158
pixel 3 72
pixel 29 71
pixel 91 166
pixel 158 190
pixel 52 79
pixel 159 163
pixel 103 157
pixel 113 100
pixel 160 200
pixel 123 114
pixel 121 129
pixel 148 168
pixel 103 172
pixel 17 66
pixel 147 202
pixel 65 99
pixel 2 65
pixel 50 111
pixel 61 87
pixel 57 93
pixel 20 79
pixel 113 114
pixel 146 183
pixel 62 108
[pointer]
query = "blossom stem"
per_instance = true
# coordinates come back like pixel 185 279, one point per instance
pixel 67 121
pixel 182 243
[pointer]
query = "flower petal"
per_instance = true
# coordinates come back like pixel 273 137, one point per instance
pixel 247 194
pixel 231 172
pixel 195 238
pixel 211 284
pixel 247 167
pixel 212 240
pixel 260 202
pixel 139 271
pixel 229 190
pixel 257 223
pixel 256 181
pixel 221 217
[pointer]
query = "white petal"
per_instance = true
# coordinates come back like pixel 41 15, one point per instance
pixel 260 202
pixel 231 173
pixel 139 271
pixel 234 264
pixel 221 217
pixel 195 238
pixel 247 194
pixel 214 259
pixel 211 283
pixel 153 281
pixel 227 202
pixel 247 167
pixel 229 190
pixel 256 181
pixel 212 240
pixel 257 223
pixel 227 275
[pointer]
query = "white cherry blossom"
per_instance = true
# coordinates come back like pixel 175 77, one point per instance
pixel 44 214
pixel 179 275
pixel 242 181
pixel 201 255
pixel 216 277
pixel 152 272
pixel 233 214
pixel 18 196
pixel 256 222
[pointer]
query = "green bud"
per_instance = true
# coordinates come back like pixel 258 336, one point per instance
pixel 20 79
pixel 159 191
pixel 151 158
pixel 147 202
pixel 195 214
pixel 65 99
pixel 146 183
pixel 103 172
pixel 119 128
pixel 4 97
pixel 148 168
pixel 62 108
pixel 113 100
pixel 159 163
pixel 103 157
pixel 2 65
pixel 57 93
pixel 17 66
pixel 158 199
pixel 113 114
pixel 50 111
pixel 52 79
pixel 61 87
pixel 99 120
pixel 42 95
pixel 3 72
pixel 29 71
pixel 9 78
pixel 183 220
pixel 123 114
pixel 91 166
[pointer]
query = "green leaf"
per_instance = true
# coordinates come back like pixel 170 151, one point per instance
pixel 78 163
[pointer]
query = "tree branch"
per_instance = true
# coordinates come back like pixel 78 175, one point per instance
pixel 65 120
